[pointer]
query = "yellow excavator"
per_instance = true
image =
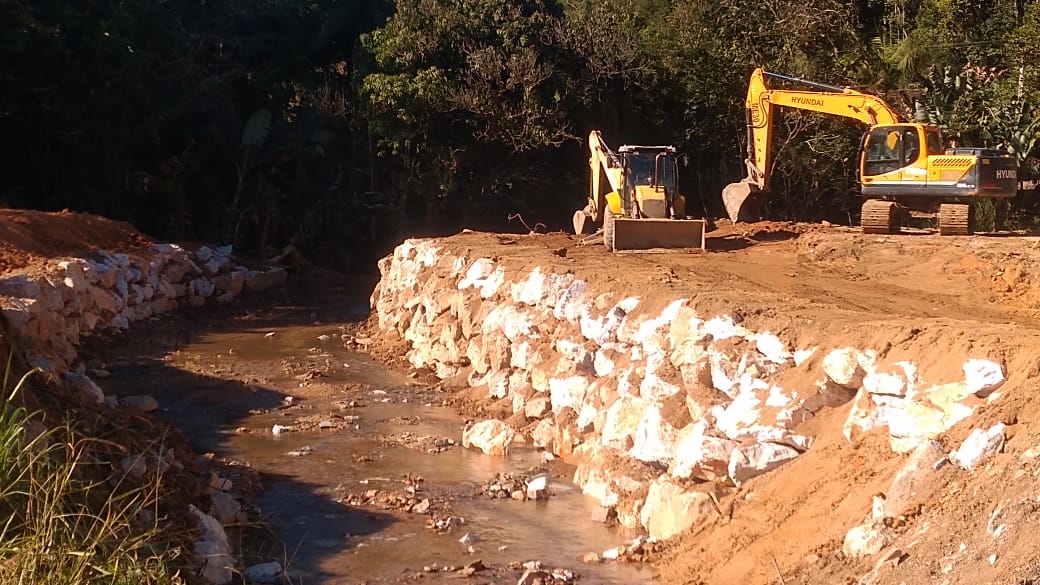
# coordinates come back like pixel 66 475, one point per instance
pixel 638 204
pixel 904 167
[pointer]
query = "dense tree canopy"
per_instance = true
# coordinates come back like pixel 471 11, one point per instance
pixel 333 122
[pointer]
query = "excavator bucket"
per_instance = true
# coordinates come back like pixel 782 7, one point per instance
pixel 647 235
pixel 743 201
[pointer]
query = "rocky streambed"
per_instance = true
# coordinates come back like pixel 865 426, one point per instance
pixel 362 470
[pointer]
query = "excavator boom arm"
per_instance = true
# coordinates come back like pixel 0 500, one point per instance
pixel 602 157
pixel 832 100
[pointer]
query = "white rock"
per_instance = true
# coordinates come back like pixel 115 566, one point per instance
pixel 493 283
pixel 699 455
pixel 891 384
pixel 82 383
pixel 669 510
pixel 770 346
pixel 911 479
pixel 567 392
pixel 530 290
pixel 537 407
pixel 602 364
pixel 720 328
pixel 263 573
pixel 225 507
pixel 983 376
pixel 603 329
pixel 650 325
pixel 213 549
pixel 571 302
pixel 477 273
pixel 802 355
pixel 654 439
pixel 866 540
pixel 493 437
pixel 623 418
pixel 754 460
pixel 844 367
pixel 979 446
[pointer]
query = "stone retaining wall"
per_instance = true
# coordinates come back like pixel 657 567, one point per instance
pixel 50 313
pixel 658 406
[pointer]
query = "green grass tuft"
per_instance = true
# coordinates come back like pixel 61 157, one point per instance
pixel 59 526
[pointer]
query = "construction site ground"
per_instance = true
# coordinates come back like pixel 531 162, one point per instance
pixel 934 300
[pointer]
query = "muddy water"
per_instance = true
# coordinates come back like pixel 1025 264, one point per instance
pixel 327 541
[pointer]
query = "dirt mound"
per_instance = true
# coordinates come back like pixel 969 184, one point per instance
pixel 29 239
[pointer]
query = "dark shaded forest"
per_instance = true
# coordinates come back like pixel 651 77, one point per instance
pixel 345 125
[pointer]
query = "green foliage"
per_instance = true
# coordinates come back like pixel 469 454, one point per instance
pixel 241 121
pixel 55 528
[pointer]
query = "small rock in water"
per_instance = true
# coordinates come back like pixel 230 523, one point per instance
pixel 301 452
pixel 535 577
pixel 422 507
pixel 141 402
pixel 263 573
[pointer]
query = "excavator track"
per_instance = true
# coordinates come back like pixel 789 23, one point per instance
pixel 955 219
pixel 879 217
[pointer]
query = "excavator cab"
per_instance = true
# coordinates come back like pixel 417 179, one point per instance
pixel 650 183
pixel 893 147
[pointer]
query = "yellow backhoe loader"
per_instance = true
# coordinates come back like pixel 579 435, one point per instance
pixel 638 205
pixel 904 167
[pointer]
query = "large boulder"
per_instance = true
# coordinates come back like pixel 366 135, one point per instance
pixel 493 437
pixel 669 509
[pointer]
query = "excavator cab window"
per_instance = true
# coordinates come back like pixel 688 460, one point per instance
pixel 640 169
pixel 881 151
pixel 666 168
pixel 911 146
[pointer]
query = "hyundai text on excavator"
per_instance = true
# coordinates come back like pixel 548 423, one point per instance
pixel 639 205
pixel 903 166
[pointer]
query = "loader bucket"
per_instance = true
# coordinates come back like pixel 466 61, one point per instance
pixel 648 235
pixel 743 201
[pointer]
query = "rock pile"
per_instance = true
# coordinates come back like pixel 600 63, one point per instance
pixel 658 406
pixel 51 313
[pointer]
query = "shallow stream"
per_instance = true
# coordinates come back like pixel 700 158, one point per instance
pixel 241 376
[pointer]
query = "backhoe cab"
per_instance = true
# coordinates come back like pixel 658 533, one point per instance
pixel 903 167
pixel 634 196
